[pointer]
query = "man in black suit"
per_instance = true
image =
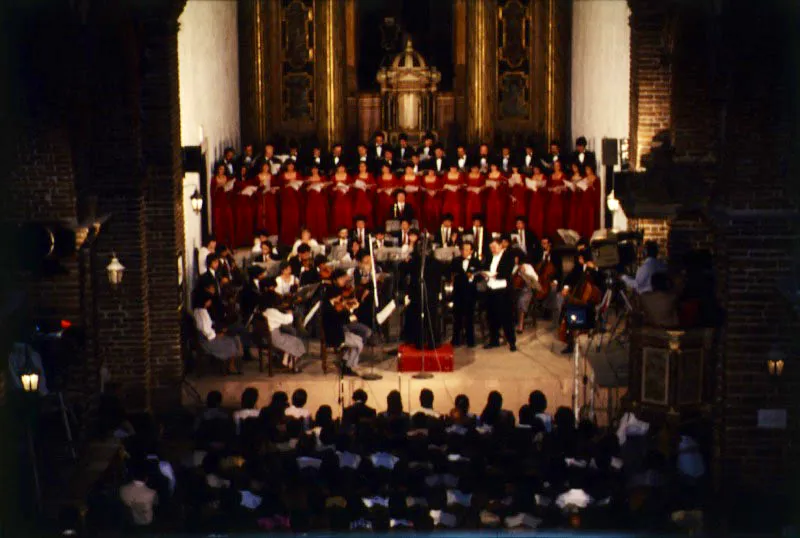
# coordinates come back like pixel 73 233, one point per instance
pixel 480 237
pixel 527 240
pixel 438 163
pixel 228 162
pixel 447 236
pixel 250 296
pixel 362 156
pixel 583 269
pixel 267 157
pixel 403 235
pixel 315 159
pixel 499 303
pixel 354 416
pixel 505 159
pixel 554 155
pixel 462 159
pixel 299 263
pixel 465 294
pixel 246 158
pixel 546 254
pixel 404 151
pixel 333 160
pixel 528 160
pixel 376 151
pixel 360 232
pixel 341 326
pixel 427 149
pixel 388 160
pixel 401 210
pixel 483 159
pixel 583 157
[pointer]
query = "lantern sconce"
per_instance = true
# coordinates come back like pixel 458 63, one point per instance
pixel 197 201
pixel 612 202
pixel 115 271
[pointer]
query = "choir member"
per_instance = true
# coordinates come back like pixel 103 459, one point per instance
pixel 505 160
pixel 462 160
pixel 498 296
pixel 265 200
pixel 411 183
pixel 416 164
pixel 402 210
pixel 314 160
pixel 553 156
pixel 590 198
pixel 389 161
pixel 438 162
pixel 528 160
pixel 384 198
pixel 246 158
pixel 294 154
pixel 517 196
pixel 432 200
pixel 537 199
pixel 474 202
pixel 557 208
pixel 362 156
pixel 334 160
pixel 404 151
pixel 453 199
pixel 291 201
pixel 363 193
pixel 426 151
pixel 483 158
pixel 221 207
pixel 268 157
pixel 376 151
pixel 463 269
pixel 243 207
pixel 316 203
pixel 583 157
pixel 575 198
pixel 496 199
pixel 341 200
pixel 227 161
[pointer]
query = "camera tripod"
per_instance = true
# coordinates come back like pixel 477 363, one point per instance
pixel 613 299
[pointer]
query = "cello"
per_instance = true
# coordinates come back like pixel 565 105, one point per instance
pixel 584 293
pixel 547 272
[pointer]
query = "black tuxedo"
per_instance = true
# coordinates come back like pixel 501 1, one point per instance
pixel 373 151
pixel 463 163
pixel 527 162
pixel 399 236
pixel 406 213
pixel 554 257
pixel 478 161
pixel 505 163
pixel 423 156
pixel 249 299
pixel 531 244
pixel 588 158
pixel 480 247
pixel 499 301
pixel 404 155
pixel 310 277
pixel 355 235
pixel 465 295
pixel 333 322
pixel 330 163
pixel 550 158
pixel 310 161
pixel 440 166
pixel 446 240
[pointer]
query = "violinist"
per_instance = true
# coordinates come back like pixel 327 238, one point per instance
pixel 312 273
pixel 286 283
pixel 303 261
pixel 580 287
pixel 340 324
pixel 305 239
pixel 250 296
pixel 361 276
pixel 280 321
pixel 465 295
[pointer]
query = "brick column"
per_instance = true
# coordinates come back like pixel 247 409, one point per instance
pixel 651 74
pixel 163 202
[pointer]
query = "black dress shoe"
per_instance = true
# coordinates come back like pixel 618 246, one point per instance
pixel 512 347
pixel 491 345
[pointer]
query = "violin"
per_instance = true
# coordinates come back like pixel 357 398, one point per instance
pixel 346 300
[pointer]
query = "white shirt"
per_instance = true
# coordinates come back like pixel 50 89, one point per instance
pixel 404 238
pixel 462 162
pixel 528 159
pixel 275 318
pixel 361 235
pixel 202 321
pixel 494 282
pixel 581 157
pixel 243 414
pixel 429 412
pixel 495 261
pixel 642 283
pixel 478 241
pixel 522 244
pixel 140 501
pixel 465 264
pixel 300 413
pixel 445 234
pixel 311 243
pixel 378 150
pixel 439 163
pixel 202 254
pixel 284 288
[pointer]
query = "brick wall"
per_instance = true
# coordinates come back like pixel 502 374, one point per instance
pixel 654 229
pixel 651 75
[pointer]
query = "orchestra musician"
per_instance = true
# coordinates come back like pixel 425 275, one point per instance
pixel 480 237
pixel 548 266
pixel 340 325
pixel 361 276
pixel 527 241
pixel 401 210
pixel 497 271
pixel 463 270
pixel 280 322
pixel 302 262
pixel 524 281
pixel 580 288
pixel 447 236
pixel 360 232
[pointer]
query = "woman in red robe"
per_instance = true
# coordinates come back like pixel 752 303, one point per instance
pixel 474 199
pixel 221 207
pixel 431 213
pixel 411 183
pixel 453 199
pixel 363 187
pixel 341 200
pixel 291 203
pixel 576 184
pixel 496 200
pixel 243 210
pixel 590 203
pixel 384 198
pixel 537 201
pixel 316 206
pixel 517 198
pixel 266 200
pixel 557 205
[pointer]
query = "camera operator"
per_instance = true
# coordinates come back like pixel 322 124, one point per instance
pixel 642 283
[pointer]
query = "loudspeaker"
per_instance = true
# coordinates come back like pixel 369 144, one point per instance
pixel 610 152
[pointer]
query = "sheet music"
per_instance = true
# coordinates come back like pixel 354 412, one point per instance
pixel 296 184
pixel 229 186
pixel 316 186
pixel 514 181
pixel 311 313
pixel 342 187
pixel 582 184
pixel 249 191
pixel 360 184
pixel 452 188
pixel 384 314
pixel 411 188
pixel 476 190
pixel 491 183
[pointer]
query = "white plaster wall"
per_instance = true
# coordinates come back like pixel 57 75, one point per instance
pixel 208 64
pixel 600 72
pixel 192 231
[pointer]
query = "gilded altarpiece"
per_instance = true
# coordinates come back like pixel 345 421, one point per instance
pixel 297 63
pixel 513 60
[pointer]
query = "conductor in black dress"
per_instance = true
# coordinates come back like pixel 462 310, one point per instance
pixel 499 301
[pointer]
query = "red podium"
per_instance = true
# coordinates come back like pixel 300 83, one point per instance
pixel 409 358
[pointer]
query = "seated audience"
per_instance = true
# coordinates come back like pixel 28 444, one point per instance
pixel 660 305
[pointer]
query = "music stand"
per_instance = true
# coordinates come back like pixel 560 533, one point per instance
pixel 372 375
pixel 423 307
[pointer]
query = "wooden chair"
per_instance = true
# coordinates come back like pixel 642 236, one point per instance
pixel 263 341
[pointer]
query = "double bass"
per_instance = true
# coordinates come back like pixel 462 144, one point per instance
pixel 547 272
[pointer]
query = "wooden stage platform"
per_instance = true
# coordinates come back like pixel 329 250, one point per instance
pixel 537 364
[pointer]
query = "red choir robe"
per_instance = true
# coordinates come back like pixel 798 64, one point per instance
pixel 316 207
pixel 243 212
pixel 496 204
pixel 265 202
pixel 453 200
pixel 589 202
pixel 537 202
pixel 362 199
pixel 517 200
pixel 474 199
pixel 221 211
pixel 291 214
pixel 557 209
pixel 384 199
pixel 341 203
pixel 575 200
pixel 431 214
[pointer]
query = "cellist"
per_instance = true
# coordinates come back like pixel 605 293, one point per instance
pixel 580 287
pixel 547 265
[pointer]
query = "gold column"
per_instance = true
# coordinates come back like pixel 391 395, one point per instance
pixel 550 80
pixel 253 75
pixel 330 80
pixel 481 70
